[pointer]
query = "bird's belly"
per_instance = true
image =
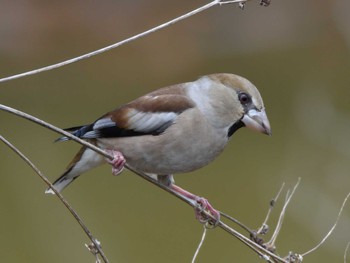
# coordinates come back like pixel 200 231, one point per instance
pixel 164 159
pixel 180 158
pixel 175 151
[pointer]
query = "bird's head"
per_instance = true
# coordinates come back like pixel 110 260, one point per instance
pixel 241 100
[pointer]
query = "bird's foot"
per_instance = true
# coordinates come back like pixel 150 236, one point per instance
pixel 117 162
pixel 204 205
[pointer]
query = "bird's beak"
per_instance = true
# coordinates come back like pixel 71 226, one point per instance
pixel 257 121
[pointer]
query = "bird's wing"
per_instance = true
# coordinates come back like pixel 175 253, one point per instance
pixel 149 115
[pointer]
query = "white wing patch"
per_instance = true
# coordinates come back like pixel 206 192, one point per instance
pixel 150 121
pixel 98 125
pixel 103 123
pixel 145 122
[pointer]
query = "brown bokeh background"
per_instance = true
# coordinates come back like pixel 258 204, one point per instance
pixel 297 54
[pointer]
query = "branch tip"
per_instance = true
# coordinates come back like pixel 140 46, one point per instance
pixel 331 230
pixel 346 252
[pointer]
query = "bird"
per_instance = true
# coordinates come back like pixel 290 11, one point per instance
pixel 172 130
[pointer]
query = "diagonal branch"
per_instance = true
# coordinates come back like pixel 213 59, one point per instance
pixel 267 255
pixel 95 242
pixel 125 41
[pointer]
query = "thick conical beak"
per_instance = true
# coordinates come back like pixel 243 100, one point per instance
pixel 257 121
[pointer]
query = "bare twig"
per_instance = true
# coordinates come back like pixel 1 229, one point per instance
pixel 125 41
pixel 200 244
pixel 243 226
pixel 54 128
pixel 94 241
pixel 331 230
pixel 258 249
pixel 271 243
pixel 262 252
pixel 264 226
pixel 346 251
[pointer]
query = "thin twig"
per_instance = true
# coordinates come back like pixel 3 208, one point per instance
pixel 54 128
pixel 346 251
pixel 262 252
pixel 261 230
pixel 237 222
pixel 125 41
pixel 231 2
pixel 258 249
pixel 331 230
pixel 200 244
pixel 62 199
pixel 272 241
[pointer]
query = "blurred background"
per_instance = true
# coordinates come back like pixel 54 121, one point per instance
pixel 295 52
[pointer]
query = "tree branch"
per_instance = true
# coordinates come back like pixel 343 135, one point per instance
pixel 125 41
pixel 94 241
pixel 256 247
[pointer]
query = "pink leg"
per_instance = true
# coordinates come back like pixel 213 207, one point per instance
pixel 117 162
pixel 203 205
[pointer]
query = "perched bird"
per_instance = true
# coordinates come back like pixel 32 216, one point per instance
pixel 176 129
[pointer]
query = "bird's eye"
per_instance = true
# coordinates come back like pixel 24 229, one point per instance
pixel 244 98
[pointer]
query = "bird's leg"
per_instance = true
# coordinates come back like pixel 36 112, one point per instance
pixel 203 205
pixel 117 162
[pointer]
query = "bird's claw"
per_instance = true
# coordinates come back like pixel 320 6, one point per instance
pixel 117 162
pixel 204 205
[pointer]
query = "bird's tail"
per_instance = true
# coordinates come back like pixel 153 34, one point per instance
pixel 77 131
pixel 62 182
pixel 83 161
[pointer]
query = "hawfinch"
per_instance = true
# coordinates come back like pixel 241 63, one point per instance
pixel 176 129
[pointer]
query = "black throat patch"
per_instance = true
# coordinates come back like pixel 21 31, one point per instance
pixel 235 127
